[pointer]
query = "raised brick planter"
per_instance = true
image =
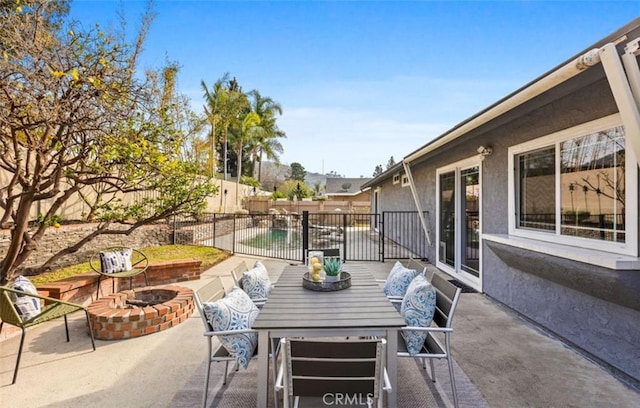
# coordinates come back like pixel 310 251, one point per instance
pixel 82 288
pixel 112 320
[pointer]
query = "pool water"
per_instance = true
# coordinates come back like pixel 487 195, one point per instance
pixel 275 239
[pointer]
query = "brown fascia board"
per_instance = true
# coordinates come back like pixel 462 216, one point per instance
pixel 628 30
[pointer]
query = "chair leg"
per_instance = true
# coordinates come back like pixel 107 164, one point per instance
pixel 226 372
pixel 66 327
pixel 93 343
pixel 98 289
pixel 453 382
pixel 146 281
pixel 15 372
pixel 433 371
pixel 206 384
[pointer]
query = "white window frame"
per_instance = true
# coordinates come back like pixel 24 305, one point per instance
pixel 405 180
pixel 396 178
pixel 630 246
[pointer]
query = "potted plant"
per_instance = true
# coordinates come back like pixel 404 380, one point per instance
pixel 332 267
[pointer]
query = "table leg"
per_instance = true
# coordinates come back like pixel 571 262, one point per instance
pixel 263 368
pixel 392 367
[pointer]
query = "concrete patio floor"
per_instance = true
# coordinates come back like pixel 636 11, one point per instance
pixel 510 361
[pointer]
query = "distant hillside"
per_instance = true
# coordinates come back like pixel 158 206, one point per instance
pixel 274 175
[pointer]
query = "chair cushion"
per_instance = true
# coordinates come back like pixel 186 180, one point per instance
pixel 26 306
pixel 418 307
pixel 235 311
pixel 116 261
pixel 256 282
pixel 398 280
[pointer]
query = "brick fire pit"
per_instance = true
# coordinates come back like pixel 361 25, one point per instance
pixel 133 313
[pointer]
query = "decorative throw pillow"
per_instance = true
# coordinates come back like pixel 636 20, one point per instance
pixel 116 261
pixel 235 311
pixel 26 306
pixel 256 282
pixel 398 280
pixel 418 307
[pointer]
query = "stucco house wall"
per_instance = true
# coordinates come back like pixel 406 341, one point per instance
pixel 595 308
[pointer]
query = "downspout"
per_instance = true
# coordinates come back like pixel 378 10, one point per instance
pixel 631 67
pixel 622 94
pixel 414 193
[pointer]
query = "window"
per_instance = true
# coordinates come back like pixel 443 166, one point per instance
pixel 396 178
pixel 571 187
pixel 405 180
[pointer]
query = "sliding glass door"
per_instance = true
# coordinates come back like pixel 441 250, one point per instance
pixel 459 221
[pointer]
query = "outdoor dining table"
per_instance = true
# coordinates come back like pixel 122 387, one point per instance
pixel 293 311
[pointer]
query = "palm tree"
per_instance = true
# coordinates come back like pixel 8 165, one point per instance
pixel 249 130
pixel 213 111
pixel 266 142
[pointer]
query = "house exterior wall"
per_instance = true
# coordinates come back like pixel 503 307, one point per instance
pixel 595 308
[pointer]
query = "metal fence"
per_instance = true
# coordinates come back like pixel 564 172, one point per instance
pixel 360 237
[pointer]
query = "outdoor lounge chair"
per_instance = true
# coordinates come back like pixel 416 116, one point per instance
pixel 353 369
pixel 210 293
pixel 119 262
pixel 52 309
pixel 447 296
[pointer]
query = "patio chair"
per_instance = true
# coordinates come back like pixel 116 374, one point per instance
pixel 119 262
pixel 326 251
pixel 447 296
pixel 211 292
pixel 52 309
pixel 411 265
pixel 318 367
pixel 237 273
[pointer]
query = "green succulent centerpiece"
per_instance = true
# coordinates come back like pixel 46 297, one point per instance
pixel 332 267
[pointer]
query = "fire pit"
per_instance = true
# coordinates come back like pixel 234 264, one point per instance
pixel 141 311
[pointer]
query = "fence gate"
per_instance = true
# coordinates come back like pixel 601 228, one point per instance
pixel 289 235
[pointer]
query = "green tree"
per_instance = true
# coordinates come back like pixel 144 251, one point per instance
pixel 213 112
pixel 391 163
pixel 378 170
pixel 266 143
pixel 297 172
pixel 291 188
pixel 249 131
pixel 77 121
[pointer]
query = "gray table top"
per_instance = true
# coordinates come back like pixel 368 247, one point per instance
pixel 291 306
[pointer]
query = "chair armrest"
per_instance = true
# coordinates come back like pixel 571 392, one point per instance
pixel 46 298
pixel 428 329
pixel 226 332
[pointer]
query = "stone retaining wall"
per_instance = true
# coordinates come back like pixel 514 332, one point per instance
pixel 56 239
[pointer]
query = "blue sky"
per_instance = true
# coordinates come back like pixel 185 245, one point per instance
pixel 361 81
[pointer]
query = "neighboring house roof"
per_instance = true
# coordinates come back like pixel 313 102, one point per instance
pixel 344 186
pixel 563 72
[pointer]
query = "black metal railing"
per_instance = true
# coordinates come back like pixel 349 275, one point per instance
pixel 360 237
